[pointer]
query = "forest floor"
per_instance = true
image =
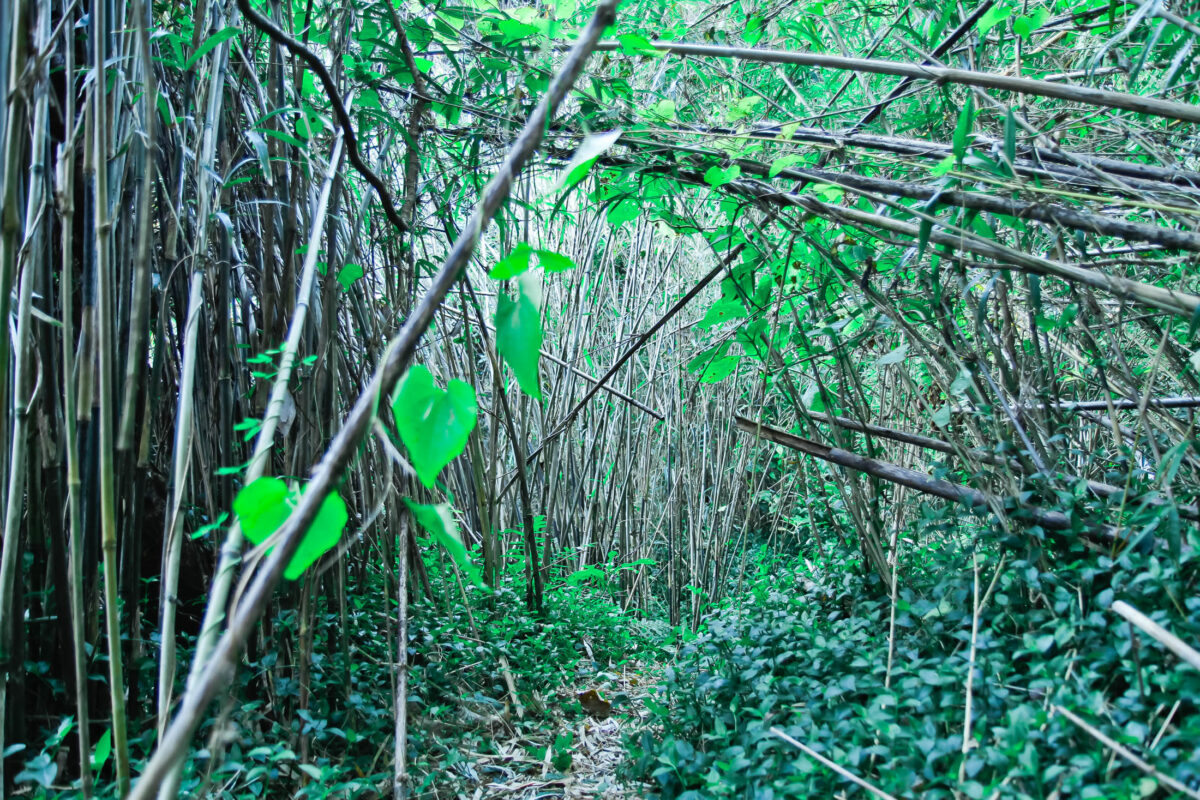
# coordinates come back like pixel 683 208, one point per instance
pixel 579 758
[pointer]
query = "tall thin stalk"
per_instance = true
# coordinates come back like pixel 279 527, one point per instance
pixel 107 394
pixel 10 232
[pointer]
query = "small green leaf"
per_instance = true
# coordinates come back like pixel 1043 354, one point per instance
pixel 310 770
pixel 663 110
pixel 623 211
pixel 438 521
pixel 941 417
pixel 519 339
pixel 587 573
pixel 1010 139
pixel 923 230
pixel 962 131
pixel 719 369
pixel 942 167
pixel 512 264
pixel 263 507
pixel 717 177
pixel 102 750
pixel 204 530
pixel 1026 26
pixel 782 163
pixel 744 108
pixel 993 17
pixel 593 146
pixel 554 262
pixel 349 274
pixel 634 44
pixel 223 35
pixel 721 311
pixel 434 424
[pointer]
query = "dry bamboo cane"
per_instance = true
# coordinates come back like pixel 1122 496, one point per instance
pixel 184 433
pixel 65 199
pixel 1081 94
pixel 19 459
pixel 10 228
pixel 108 401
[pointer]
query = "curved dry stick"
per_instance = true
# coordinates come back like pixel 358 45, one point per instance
pixel 218 674
pixel 279 36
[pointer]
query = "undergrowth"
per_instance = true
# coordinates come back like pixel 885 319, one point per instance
pixel 804 652
pixel 339 743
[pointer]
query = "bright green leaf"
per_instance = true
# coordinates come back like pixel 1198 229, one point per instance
pixel 723 310
pixel 263 507
pixel 962 131
pixel 716 176
pixel 434 424
pixel 719 369
pixel 554 262
pixel 512 264
pixel 942 167
pixel 664 110
pixel 349 274
pixel 623 211
pixel 102 750
pixel 993 17
pixel 223 35
pixel 633 44
pixel 1026 26
pixel 438 521
pixel 519 339
pixel 782 163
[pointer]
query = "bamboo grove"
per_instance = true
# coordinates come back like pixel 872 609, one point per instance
pixel 802 268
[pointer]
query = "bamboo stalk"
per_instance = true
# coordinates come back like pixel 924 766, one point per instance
pixel 108 402
pixel 1080 94
pixel 12 228
pixel 231 547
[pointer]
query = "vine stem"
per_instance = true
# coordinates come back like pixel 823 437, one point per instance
pixel 280 37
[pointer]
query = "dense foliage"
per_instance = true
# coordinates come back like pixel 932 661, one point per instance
pixel 809 651
pixel 379 378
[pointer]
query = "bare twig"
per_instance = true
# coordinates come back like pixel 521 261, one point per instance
pixel 1158 632
pixel 1127 754
pixel 838 768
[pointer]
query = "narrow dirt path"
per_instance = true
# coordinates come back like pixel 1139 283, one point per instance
pixel 581 755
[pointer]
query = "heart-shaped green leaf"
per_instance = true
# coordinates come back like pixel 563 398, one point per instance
pixel 519 338
pixel 623 211
pixel 263 507
pixel 434 424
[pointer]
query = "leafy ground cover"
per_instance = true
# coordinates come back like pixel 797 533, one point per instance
pixel 995 650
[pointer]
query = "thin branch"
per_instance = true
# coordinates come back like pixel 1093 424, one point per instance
pixel 1081 94
pixel 280 37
